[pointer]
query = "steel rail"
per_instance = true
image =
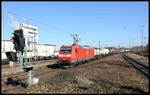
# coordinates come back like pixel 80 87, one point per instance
pixel 133 62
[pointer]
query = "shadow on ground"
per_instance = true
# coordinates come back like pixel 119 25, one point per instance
pixel 53 66
pixel 133 89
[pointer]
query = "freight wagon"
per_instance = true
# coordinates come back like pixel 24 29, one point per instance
pixel 101 52
pixel 97 52
pixel 46 51
pixel 105 51
pixel 6 46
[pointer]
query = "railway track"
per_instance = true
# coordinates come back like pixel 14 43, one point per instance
pixel 137 65
pixel 4 64
pixel 145 54
pixel 23 75
pixel 20 74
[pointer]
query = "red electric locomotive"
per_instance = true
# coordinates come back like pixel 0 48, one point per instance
pixel 74 54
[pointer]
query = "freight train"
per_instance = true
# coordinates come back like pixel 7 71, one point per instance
pixel 76 54
pixel 73 54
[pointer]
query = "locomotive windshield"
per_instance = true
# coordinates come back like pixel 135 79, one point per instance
pixel 65 50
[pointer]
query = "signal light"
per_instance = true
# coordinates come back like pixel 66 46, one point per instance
pixel 13 40
pixel 18 40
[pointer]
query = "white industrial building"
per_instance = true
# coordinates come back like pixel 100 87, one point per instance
pixel 31 39
pixel 31 36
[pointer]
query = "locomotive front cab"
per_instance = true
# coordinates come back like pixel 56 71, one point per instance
pixel 64 57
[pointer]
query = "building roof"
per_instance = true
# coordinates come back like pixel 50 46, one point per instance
pixel 29 26
pixel 47 44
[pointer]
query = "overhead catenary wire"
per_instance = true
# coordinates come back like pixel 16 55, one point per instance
pixel 34 20
pixel 37 21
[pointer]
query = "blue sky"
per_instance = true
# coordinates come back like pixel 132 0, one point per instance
pixel 111 23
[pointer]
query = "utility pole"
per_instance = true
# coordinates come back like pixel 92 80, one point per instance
pixel 145 40
pixel 133 43
pixel 142 29
pixel 130 45
pixel 99 44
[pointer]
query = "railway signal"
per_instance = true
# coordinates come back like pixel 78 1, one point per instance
pixel 18 40
pixel 19 44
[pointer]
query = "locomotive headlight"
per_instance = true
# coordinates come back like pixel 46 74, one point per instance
pixel 60 55
pixel 68 55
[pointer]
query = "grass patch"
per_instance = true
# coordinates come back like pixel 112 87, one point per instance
pixel 84 85
pixel 74 83
pixel 128 81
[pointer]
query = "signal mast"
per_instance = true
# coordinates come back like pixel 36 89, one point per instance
pixel 19 44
